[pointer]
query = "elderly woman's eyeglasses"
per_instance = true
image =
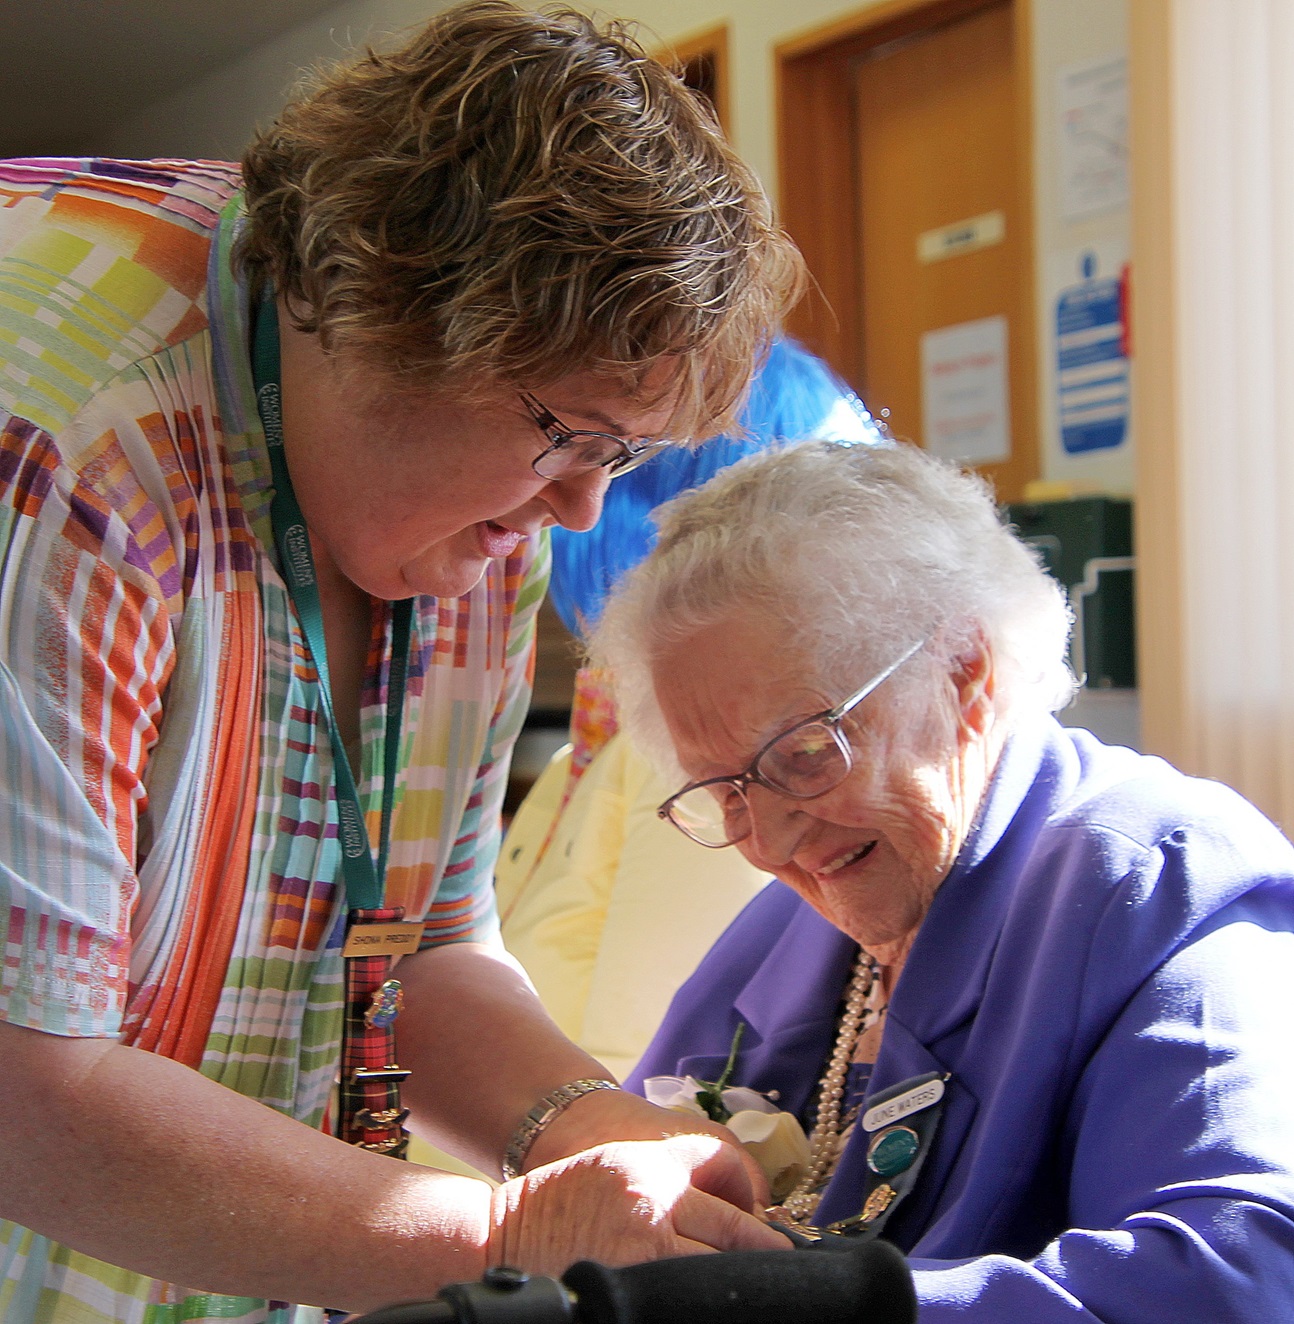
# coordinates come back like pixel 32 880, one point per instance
pixel 572 452
pixel 804 761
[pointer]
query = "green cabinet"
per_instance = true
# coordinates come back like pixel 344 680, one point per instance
pixel 1086 542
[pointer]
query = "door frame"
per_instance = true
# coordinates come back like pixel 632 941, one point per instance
pixel 818 187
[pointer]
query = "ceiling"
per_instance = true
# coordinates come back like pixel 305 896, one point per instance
pixel 76 67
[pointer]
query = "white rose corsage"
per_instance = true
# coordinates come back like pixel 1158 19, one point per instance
pixel 774 1138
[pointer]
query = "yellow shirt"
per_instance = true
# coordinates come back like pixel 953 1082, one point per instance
pixel 620 907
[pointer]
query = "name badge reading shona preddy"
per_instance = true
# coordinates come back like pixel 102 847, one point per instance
pixel 395 939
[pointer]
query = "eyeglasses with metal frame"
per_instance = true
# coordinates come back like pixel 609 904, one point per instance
pixel 803 762
pixel 573 452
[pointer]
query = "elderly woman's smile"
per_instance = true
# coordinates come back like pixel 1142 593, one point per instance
pixel 870 853
pixel 849 857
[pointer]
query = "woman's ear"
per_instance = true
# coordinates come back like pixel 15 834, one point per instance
pixel 974 680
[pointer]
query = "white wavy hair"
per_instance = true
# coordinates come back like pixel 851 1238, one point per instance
pixel 850 554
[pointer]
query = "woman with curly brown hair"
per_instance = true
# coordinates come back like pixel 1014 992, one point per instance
pixel 278 448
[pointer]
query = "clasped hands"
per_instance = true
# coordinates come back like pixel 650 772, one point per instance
pixel 669 1184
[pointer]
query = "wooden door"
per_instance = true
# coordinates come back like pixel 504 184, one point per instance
pixel 703 59
pixel 942 240
pixel 905 178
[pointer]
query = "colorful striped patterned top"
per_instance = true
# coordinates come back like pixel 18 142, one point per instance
pixel 169 862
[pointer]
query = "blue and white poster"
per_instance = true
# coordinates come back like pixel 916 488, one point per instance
pixel 1092 358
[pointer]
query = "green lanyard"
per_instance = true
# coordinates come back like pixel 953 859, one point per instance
pixel 364 879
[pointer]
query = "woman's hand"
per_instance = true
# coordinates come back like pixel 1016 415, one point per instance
pixel 610 1115
pixel 626 1202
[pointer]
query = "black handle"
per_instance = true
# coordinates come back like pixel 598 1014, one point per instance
pixel 867 1283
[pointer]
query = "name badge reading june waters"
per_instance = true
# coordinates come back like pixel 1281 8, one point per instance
pixel 396 939
pixel 913 1101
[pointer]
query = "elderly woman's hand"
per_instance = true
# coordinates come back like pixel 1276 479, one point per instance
pixel 626 1202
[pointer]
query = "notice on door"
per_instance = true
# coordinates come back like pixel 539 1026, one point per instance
pixel 965 400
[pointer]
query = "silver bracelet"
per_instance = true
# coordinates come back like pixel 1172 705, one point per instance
pixel 546 1111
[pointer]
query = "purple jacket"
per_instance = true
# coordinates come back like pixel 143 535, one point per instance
pixel 1108 974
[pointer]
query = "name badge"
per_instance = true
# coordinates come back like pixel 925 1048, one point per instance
pixel 901 1126
pixel 395 939
pixel 904 1105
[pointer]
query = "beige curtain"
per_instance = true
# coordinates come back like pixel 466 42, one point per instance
pixel 1212 108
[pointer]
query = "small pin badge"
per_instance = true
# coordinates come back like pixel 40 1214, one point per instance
pixel 382 1120
pixel 387 1004
pixel 878 1202
pixel 893 1151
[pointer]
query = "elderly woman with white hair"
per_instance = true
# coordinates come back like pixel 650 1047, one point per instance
pixel 1027 994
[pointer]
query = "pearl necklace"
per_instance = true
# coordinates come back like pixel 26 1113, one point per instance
pixel 861 996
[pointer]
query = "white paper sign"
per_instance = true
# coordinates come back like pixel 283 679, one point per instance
pixel 1093 123
pixel 965 401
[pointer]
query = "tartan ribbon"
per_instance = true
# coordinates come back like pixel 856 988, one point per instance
pixel 369 1112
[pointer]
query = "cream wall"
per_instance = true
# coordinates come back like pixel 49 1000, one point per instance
pixel 1065 33
pixel 215 118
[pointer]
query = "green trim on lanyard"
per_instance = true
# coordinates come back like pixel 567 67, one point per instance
pixel 364 880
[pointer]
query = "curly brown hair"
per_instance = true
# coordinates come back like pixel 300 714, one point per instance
pixel 514 196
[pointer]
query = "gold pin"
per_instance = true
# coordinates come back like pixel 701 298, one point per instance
pixel 395 1147
pixel 367 1120
pixel 391 1074
pixel 878 1202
